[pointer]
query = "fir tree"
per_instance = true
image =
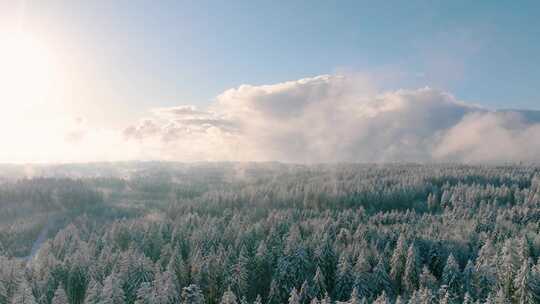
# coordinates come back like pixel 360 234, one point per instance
pixel 412 270
pixel 452 278
pixel 228 297
pixel 344 279
pixel 398 261
pixel 145 294
pixel 318 288
pixel 3 293
pixel 93 294
pixel 382 299
pixel 192 295
pixel 23 295
pixel 294 298
pixel 522 283
pixel 60 296
pixel 427 280
pixel 112 291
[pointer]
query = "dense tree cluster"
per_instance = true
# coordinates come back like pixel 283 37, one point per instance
pixel 296 234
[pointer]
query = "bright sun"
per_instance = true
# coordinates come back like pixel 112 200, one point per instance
pixel 26 72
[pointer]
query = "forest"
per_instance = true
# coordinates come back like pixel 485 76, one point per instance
pixel 269 233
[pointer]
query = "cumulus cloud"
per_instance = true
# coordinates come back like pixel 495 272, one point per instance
pixel 336 118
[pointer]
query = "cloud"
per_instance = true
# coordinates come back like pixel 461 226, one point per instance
pixel 491 137
pixel 332 118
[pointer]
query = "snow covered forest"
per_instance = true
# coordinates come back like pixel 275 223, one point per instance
pixel 233 233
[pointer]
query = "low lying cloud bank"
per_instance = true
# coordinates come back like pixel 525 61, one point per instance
pixel 335 118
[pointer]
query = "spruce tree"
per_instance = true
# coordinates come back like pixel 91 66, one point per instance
pixel 294 298
pixel 112 291
pixel 192 295
pixel 60 296
pixel 318 288
pixel 382 299
pixel 398 261
pixel 228 297
pixel 522 285
pixel 23 294
pixel 412 270
pixel 93 293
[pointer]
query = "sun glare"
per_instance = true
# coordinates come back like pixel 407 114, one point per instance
pixel 26 71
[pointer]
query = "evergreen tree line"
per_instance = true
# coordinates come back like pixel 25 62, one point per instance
pixel 299 235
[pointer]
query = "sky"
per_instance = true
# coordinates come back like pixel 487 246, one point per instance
pixel 83 76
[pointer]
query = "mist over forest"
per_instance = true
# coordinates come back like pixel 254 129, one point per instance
pixel 235 233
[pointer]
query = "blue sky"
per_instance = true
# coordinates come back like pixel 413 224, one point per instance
pixel 173 52
pixel 147 77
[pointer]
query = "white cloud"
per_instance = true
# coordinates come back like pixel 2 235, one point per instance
pixel 491 137
pixel 336 118
pixel 327 118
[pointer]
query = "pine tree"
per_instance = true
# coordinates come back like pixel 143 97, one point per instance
pixel 427 280
pixel 294 298
pixel 381 280
pixel 501 298
pixel 468 278
pixel 192 295
pixel 60 296
pixel 258 300
pixel 363 279
pixel 508 267
pixel 326 299
pixel 23 295
pixel 490 299
pixel 93 294
pixel 146 294
pixel 228 297
pixel 305 293
pixel 452 278
pixel 165 285
pixel 382 299
pixel 318 288
pixel 3 293
pixel 522 283
pixel 327 259
pixel 355 298
pixel 398 261
pixel 412 270
pixel 344 279
pixel 425 296
pixel 112 291
pixel 446 298
pixel 467 299
pixel 239 273
pixel 523 249
pixel 273 293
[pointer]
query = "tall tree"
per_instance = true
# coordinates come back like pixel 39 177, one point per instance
pixel 228 297
pixel 398 261
pixel 318 288
pixel 192 295
pixel 294 297
pixel 60 296
pixel 412 270
pixel 23 295
pixel 112 291
pixel 522 285
pixel 451 278
pixel 93 294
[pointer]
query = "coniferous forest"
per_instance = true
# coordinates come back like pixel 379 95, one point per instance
pixel 234 233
